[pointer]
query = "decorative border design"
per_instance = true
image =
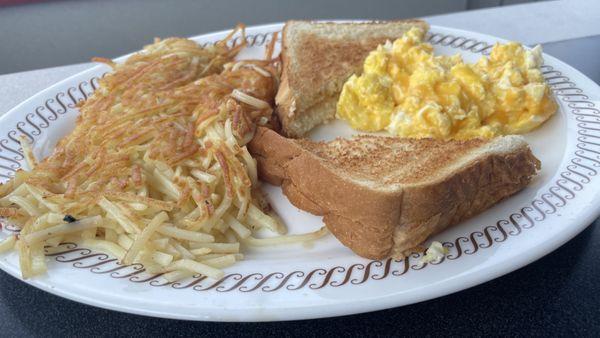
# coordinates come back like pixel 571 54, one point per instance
pixel 258 39
pixel 459 42
pixel 356 274
pixel 584 165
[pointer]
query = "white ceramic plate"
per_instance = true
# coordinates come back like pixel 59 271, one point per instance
pixel 326 279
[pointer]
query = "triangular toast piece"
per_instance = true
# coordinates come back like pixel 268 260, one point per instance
pixel 318 58
pixel 381 196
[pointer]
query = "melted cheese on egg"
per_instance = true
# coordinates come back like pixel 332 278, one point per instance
pixel 411 92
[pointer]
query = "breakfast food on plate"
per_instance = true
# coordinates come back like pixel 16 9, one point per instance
pixel 156 170
pixel 382 196
pixel 318 57
pixel 159 169
pixel 410 92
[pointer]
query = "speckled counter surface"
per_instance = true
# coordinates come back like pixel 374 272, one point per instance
pixel 559 295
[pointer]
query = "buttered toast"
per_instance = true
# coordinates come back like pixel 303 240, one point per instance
pixel 381 196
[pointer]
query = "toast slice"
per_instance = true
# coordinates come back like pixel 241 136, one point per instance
pixel 318 58
pixel 381 196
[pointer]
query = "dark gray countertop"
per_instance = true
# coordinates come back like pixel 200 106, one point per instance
pixel 557 295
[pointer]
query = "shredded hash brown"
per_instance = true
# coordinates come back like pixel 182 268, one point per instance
pixel 156 170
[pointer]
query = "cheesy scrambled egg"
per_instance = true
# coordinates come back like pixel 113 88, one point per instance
pixel 410 92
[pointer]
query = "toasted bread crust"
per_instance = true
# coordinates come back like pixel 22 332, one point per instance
pixel 374 223
pixel 429 209
pixel 313 187
pixel 318 57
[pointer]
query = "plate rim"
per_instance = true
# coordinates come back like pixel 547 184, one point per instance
pixel 381 302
